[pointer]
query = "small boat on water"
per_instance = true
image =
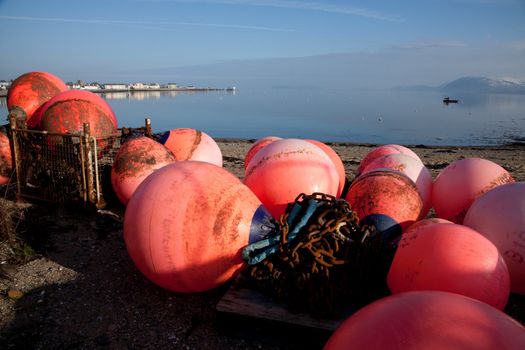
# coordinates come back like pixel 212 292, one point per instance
pixel 448 100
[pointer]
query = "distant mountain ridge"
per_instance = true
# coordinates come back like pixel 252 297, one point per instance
pixel 484 85
pixel 473 85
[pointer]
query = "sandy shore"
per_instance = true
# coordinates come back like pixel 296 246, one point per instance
pixel 79 289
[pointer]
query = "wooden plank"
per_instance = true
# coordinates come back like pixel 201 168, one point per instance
pixel 251 303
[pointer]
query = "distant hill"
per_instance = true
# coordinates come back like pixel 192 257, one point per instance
pixel 484 85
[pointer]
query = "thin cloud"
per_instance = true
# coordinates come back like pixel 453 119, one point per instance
pixel 428 45
pixel 518 45
pixel 147 24
pixel 298 5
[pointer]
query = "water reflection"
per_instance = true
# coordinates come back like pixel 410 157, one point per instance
pixel 3 101
pixel 138 95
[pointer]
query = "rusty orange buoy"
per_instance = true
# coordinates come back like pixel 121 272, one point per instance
pixel 386 192
pixel 136 159
pixel 67 112
pixel 187 223
pixel 31 90
pixel 450 258
pixel 6 163
pixel 461 182
pixel 257 146
pixel 499 215
pixel 285 168
pixel 429 320
pixel 192 144
pixel 411 167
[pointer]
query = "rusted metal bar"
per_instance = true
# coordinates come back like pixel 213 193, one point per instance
pixel 17 121
pixel 89 164
pixel 147 132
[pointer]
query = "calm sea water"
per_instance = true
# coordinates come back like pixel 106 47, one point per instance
pixel 369 116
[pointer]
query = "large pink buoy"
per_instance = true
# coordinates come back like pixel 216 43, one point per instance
pixel 135 160
pixel 411 167
pixel 6 162
pixel 257 146
pixel 191 144
pixel 451 258
pixel 187 223
pixel 339 166
pixel 388 193
pixel 499 215
pixel 80 95
pixel 384 150
pixel 282 170
pixel 429 320
pixel 461 182
pixel 31 90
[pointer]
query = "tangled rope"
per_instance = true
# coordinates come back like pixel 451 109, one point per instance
pixel 314 261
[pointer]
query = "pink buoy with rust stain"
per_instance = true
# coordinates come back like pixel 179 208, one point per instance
pixel 499 215
pixel 187 223
pixel 192 144
pixel 387 192
pixel 136 159
pixel 285 168
pixel 6 162
pixel 451 258
pixel 429 320
pixel 461 182
pixel 31 91
pixel 411 167
pixel 384 150
pixel 339 166
pixel 257 146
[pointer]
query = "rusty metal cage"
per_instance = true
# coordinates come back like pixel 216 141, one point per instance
pixel 56 167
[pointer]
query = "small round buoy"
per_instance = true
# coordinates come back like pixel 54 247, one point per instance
pixel 384 150
pixel 282 170
pixel 411 167
pixel 499 215
pixel 136 159
pixel 339 166
pixel 386 192
pixel 451 258
pixel 257 146
pixel 191 144
pixel 31 90
pixel 428 320
pixel 461 182
pixel 6 162
pixel 186 224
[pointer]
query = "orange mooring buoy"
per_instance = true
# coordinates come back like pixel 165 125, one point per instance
pixel 257 146
pixel 389 196
pixel 285 168
pixel 383 150
pixel 428 320
pixel 186 224
pixel 6 162
pixel 499 215
pixel 136 159
pixel 192 144
pixel 31 90
pixel 451 258
pixel 413 168
pixel 461 182
pixel 339 166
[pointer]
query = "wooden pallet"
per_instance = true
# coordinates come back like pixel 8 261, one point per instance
pixel 253 304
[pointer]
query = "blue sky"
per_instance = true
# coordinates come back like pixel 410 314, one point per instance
pixel 126 40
